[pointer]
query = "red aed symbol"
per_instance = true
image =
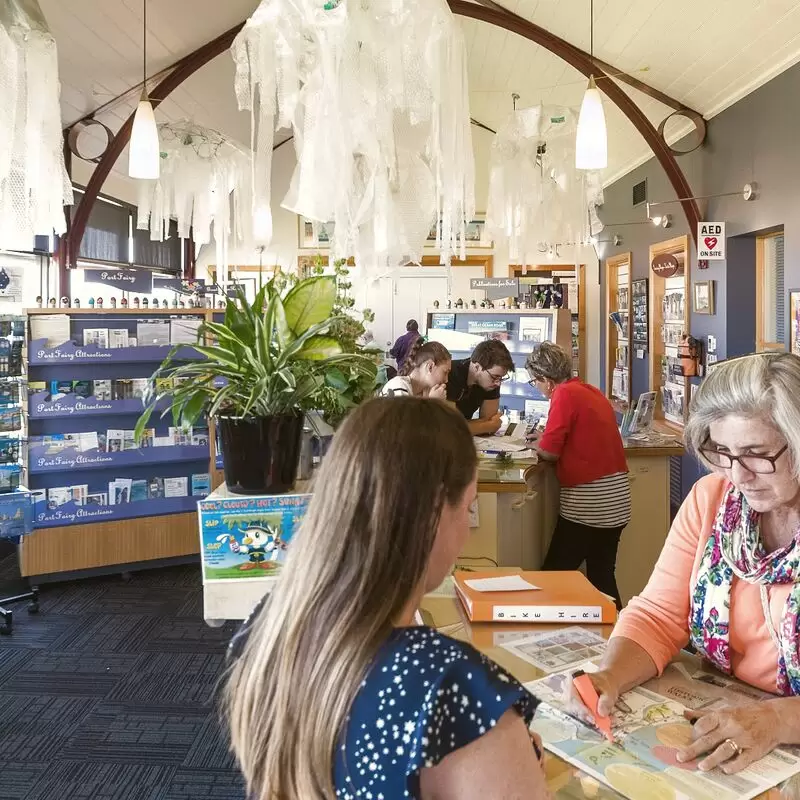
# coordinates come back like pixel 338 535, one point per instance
pixel 710 242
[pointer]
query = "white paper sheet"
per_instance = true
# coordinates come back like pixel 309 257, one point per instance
pixel 505 583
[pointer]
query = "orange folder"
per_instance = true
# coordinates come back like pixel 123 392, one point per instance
pixel 565 598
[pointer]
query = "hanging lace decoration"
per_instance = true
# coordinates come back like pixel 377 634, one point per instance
pixel 34 185
pixel 375 93
pixel 204 183
pixel 537 198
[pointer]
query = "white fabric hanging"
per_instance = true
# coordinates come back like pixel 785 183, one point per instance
pixel 537 198
pixel 34 185
pixel 375 93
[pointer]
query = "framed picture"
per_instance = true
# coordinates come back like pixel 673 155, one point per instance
pixel 794 321
pixel 704 301
pixel 314 235
pixel 475 236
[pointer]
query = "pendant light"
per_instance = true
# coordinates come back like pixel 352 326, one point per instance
pixel 144 151
pixel 591 142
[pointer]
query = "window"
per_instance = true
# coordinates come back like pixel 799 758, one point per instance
pixel 770 295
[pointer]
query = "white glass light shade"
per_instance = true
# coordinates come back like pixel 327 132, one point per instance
pixel 144 156
pixel 591 142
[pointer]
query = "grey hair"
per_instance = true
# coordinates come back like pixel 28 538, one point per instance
pixel 548 360
pixel 765 385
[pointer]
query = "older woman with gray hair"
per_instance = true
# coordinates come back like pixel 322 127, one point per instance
pixel 582 438
pixel 728 579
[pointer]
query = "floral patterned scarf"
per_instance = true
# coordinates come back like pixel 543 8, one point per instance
pixel 734 548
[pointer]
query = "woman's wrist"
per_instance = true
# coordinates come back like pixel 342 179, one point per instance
pixel 787 713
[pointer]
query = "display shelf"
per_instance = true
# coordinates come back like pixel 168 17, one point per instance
pixel 40 407
pixel 618 335
pixel 72 513
pixel 669 324
pixel 40 462
pixel 72 353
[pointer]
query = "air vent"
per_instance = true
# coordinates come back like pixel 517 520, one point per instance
pixel 640 193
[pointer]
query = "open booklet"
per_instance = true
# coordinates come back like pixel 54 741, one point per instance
pixel 649 728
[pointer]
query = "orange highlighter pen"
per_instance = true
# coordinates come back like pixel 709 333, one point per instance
pixel 588 694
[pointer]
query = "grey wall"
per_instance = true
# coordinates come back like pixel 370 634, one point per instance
pixel 755 140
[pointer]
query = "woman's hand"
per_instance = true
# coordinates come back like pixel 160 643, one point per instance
pixel 607 689
pixel 755 730
pixel 438 392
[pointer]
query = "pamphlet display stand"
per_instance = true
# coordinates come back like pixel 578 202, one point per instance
pixel 102 500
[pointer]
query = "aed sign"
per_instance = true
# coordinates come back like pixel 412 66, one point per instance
pixel 711 241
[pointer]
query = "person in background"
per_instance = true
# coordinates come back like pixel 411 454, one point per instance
pixel 332 690
pixel 404 343
pixel 424 374
pixel 728 578
pixel 582 439
pixel 474 385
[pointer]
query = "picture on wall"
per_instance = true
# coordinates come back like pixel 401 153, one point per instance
pixel 314 235
pixel 794 330
pixel 704 297
pixel 475 235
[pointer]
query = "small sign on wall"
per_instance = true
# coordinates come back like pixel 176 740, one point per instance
pixel 711 241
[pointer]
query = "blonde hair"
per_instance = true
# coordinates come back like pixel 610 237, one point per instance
pixel 765 385
pixel 360 555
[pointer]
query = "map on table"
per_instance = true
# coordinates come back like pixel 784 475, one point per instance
pixel 556 651
pixel 649 728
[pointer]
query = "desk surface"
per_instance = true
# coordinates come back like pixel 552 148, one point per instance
pixel 564 781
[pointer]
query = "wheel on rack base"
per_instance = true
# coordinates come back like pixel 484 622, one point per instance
pixel 33 608
pixel 5 629
pixel 215 623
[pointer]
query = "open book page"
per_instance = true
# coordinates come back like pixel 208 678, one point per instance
pixel 649 728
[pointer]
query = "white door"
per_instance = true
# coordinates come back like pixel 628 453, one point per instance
pixel 413 297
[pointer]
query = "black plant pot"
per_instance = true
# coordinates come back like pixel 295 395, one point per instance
pixel 260 454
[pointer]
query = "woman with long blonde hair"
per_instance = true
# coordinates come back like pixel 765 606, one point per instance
pixel 333 692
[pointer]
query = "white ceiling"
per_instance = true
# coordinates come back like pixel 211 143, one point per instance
pixel 705 53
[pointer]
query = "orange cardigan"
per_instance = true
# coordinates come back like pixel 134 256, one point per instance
pixel 657 619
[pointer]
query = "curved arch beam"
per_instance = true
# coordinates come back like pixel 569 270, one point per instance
pixel 184 69
pixel 574 56
pixel 582 62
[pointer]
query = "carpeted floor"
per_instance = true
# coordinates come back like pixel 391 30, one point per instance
pixel 107 694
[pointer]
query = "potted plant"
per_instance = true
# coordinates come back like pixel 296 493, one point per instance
pixel 264 367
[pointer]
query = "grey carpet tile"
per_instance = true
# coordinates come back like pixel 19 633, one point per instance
pixel 17 778
pixel 70 780
pixel 79 597
pixel 211 749
pixel 133 598
pixel 107 633
pixel 74 674
pixel 185 577
pixel 13 658
pixel 38 631
pixel 187 635
pixel 121 733
pixel 171 680
pixel 193 607
pixel 192 784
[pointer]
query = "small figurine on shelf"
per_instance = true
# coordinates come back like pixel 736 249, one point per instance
pixel 181 304
pixel 503 304
pixel 557 298
pixel 483 304
pixel 436 304
pixel 473 304
pixel 39 301
pixel 155 302
pixel 449 303
pixel 489 304
pixel 459 303
pixel 52 302
pixel 220 304
pixel 175 302
pixel 524 304
pixel 541 295
pixel 113 302
pixel 65 302
pixel 76 302
pixel 515 303
pixel 136 302
pixel 145 303
pixel 91 302
pixel 99 302
pixel 124 302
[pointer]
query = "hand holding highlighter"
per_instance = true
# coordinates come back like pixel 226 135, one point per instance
pixel 588 694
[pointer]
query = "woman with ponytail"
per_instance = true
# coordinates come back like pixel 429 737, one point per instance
pixel 424 374
pixel 333 691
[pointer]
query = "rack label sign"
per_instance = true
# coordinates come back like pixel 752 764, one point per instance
pixel 711 241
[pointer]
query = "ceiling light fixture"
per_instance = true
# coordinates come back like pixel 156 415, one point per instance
pixel 591 142
pixel 144 151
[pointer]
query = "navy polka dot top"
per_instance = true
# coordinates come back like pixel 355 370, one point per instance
pixel 425 696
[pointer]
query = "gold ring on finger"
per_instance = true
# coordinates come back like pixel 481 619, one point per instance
pixel 736 749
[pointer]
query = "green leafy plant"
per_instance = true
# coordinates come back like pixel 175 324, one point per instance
pixel 274 356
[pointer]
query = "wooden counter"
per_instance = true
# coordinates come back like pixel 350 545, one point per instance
pixel 517 514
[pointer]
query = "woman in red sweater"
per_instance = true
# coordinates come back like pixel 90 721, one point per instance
pixel 582 439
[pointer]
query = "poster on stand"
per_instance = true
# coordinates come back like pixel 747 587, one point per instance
pixel 247 537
